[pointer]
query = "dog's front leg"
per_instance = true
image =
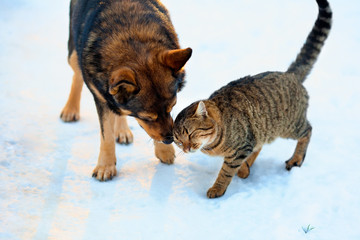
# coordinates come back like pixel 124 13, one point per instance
pixel 123 133
pixel 106 166
pixel 164 152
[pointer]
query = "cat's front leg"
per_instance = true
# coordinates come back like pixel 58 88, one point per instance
pixel 228 170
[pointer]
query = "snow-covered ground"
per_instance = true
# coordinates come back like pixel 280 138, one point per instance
pixel 46 189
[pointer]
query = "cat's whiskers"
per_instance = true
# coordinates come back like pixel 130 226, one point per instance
pixel 150 140
pixel 206 142
pixel 180 153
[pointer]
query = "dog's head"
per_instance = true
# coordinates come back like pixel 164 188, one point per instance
pixel 146 89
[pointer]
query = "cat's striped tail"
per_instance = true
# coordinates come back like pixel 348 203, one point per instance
pixel 305 60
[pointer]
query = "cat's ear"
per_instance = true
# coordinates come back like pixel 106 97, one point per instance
pixel 201 109
pixel 175 59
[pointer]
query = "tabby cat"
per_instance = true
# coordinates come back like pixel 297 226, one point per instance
pixel 239 118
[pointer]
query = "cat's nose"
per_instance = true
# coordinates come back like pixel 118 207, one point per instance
pixel 187 150
pixel 168 139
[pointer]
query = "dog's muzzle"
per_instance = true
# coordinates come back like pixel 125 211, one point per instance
pixel 168 139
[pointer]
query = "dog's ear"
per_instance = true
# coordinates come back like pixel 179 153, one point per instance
pixel 122 84
pixel 175 59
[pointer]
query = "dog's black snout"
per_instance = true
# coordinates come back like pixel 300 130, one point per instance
pixel 168 139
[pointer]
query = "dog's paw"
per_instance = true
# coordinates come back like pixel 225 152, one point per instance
pixel 124 136
pixel 104 173
pixel 70 114
pixel 215 192
pixel 165 153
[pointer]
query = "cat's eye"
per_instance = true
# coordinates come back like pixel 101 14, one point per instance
pixel 191 135
pixel 178 143
pixel 199 130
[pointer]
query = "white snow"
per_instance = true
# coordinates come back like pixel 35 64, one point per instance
pixel 46 189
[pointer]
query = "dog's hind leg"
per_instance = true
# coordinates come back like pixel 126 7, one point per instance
pixel 71 111
pixel 123 134
pixel 164 152
pixel 106 166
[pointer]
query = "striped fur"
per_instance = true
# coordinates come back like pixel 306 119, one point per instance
pixel 311 49
pixel 238 119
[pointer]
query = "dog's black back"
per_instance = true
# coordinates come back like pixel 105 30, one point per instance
pixel 83 13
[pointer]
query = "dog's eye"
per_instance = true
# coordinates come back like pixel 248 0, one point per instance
pixel 148 117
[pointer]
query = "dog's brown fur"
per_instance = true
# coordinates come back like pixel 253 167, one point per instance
pixel 127 53
pixel 72 108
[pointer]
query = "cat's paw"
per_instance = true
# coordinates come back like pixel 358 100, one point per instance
pixel 295 161
pixel 165 153
pixel 70 114
pixel 244 170
pixel 215 192
pixel 104 173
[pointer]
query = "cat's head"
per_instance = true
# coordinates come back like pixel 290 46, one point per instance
pixel 194 128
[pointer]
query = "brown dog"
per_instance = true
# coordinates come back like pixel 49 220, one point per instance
pixel 127 53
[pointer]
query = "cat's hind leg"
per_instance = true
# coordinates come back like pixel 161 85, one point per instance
pixel 300 151
pixel 244 170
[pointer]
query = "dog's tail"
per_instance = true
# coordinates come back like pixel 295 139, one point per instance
pixel 305 60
